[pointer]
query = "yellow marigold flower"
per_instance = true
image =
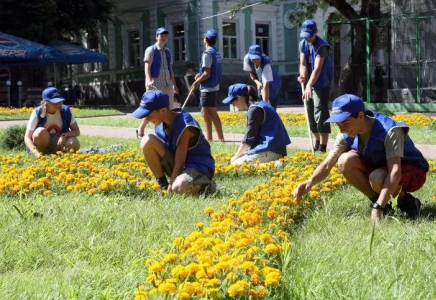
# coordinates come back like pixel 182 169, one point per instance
pixel 273 278
pixel 180 272
pixel 261 291
pixel 209 210
pixel 150 278
pixel 168 288
pixel 170 257
pixel 272 213
pixel 47 192
pixel 141 293
pixel 157 267
pixel 272 249
pixel 213 282
pixel 200 225
pixel 238 289
pixel 231 276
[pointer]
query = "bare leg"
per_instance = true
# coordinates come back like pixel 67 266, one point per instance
pixel 41 139
pixel 354 171
pixel 72 143
pixel 323 138
pixel 182 186
pixel 207 122
pixel 377 179
pixel 153 150
pixel 214 118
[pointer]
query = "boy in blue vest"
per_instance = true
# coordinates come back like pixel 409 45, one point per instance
pixel 316 71
pixel 263 74
pixel 51 127
pixel 209 80
pixel 158 69
pixel 266 137
pixel 178 147
pixel 375 155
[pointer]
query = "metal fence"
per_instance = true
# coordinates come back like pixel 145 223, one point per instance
pixel 401 68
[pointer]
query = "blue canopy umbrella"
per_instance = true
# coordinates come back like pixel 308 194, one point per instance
pixel 74 54
pixel 18 50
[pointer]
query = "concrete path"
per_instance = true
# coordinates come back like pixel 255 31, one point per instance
pixel 303 143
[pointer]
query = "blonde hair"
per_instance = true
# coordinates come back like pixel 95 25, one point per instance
pixel 44 108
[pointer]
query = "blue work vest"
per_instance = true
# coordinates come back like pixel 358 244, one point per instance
pixel 326 75
pixel 375 152
pixel 215 69
pixel 199 156
pixel 272 134
pixel 275 85
pixel 66 116
pixel 155 66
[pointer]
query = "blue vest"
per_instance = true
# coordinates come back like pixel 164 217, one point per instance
pixel 155 66
pixel 272 134
pixel 274 88
pixel 215 69
pixel 199 156
pixel 326 75
pixel 65 116
pixel 375 152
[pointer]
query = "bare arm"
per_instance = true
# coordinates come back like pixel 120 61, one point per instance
pixel 173 79
pixel 303 68
pixel 319 61
pixel 200 78
pixel 321 172
pixel 243 147
pixel 180 155
pixel 28 140
pixel 149 83
pixel 256 80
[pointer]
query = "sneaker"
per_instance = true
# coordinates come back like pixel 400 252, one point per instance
pixel 409 205
pixel 210 188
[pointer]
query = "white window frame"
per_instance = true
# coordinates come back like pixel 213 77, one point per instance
pixel 269 38
pixel 138 49
pixel 240 37
pixel 259 18
pixel 173 39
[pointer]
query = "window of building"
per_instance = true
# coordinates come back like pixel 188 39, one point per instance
pixel 263 37
pixel 179 42
pixel 229 40
pixel 134 49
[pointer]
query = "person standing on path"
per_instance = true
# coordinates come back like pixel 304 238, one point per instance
pixel 263 74
pixel 158 69
pixel 316 72
pixel 209 80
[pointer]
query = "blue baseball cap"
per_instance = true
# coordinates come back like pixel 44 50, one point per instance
pixel 211 35
pixel 308 29
pixel 161 30
pixel 52 94
pixel 255 52
pixel 151 101
pixel 344 106
pixel 238 89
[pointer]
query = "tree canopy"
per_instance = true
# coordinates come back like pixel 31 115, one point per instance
pixel 45 20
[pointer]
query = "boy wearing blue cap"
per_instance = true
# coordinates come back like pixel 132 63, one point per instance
pixel 51 127
pixel 375 155
pixel 158 69
pixel 266 137
pixel 316 71
pixel 178 148
pixel 263 74
pixel 209 80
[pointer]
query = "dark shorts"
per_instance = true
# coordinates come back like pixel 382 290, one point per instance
pixel 208 99
pixel 412 177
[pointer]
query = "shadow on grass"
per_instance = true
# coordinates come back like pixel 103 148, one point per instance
pixel 429 212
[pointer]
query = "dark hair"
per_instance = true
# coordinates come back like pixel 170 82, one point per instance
pixel 354 115
pixel 210 41
pixel 252 95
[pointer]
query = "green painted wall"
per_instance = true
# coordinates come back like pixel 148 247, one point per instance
pixel 145 20
pixel 118 44
pixel 248 33
pixel 94 78
pixel 134 75
pixel 104 44
pixel 192 37
pixel 160 18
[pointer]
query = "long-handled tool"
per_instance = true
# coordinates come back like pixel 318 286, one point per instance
pixel 307 120
pixel 186 100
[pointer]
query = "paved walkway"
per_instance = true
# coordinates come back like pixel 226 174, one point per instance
pixel 303 143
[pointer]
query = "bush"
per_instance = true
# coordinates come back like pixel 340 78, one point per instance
pixel 12 138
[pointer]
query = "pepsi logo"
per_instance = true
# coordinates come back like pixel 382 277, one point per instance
pixel 68 49
pixel 7 42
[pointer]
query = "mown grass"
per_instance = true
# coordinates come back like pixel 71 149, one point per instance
pixel 95 247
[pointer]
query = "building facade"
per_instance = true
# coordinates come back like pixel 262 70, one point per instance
pixel 120 80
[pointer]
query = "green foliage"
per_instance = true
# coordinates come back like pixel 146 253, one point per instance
pixel 12 138
pixel 46 20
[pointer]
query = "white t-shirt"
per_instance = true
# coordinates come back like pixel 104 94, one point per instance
pixel 53 124
pixel 207 62
pixel 265 74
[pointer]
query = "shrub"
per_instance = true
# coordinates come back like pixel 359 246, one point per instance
pixel 12 138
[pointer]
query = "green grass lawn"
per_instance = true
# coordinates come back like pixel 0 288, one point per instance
pixel 94 247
